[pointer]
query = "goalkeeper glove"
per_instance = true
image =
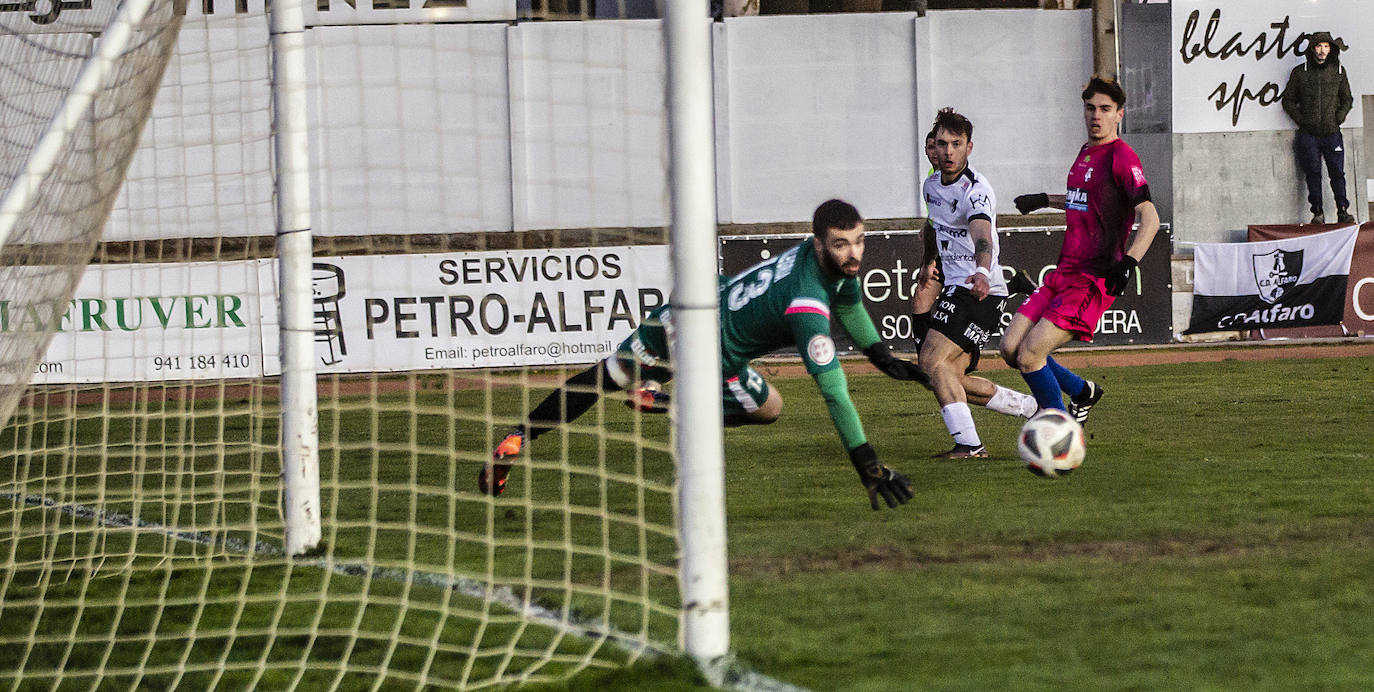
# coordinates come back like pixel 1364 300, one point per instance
pixel 894 488
pixel 1119 275
pixel 894 367
pixel 1029 203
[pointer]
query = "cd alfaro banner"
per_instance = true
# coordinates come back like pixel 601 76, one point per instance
pixel 476 309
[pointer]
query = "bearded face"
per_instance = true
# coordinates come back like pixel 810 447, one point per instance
pixel 841 252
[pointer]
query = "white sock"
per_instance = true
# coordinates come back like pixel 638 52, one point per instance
pixel 959 422
pixel 1012 403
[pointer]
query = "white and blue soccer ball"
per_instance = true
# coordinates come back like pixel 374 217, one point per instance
pixel 1051 443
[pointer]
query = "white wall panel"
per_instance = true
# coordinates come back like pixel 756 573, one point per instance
pixel 203 165
pixel 819 106
pixel 489 127
pixel 589 137
pixel 411 126
pixel 1018 75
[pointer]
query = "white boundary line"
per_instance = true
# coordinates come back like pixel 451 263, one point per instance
pixel 726 673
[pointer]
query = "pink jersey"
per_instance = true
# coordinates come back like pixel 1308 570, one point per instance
pixel 1105 185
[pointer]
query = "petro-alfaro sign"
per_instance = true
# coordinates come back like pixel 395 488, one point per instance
pixel 389 313
pixel 1232 58
pixel 379 313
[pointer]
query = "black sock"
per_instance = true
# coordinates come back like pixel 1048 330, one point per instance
pixel 567 403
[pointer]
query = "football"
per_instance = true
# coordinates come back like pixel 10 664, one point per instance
pixel 1051 444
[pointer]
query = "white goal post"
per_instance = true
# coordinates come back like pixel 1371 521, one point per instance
pixel 700 439
pixel 300 453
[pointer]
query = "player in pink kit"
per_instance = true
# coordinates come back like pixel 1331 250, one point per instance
pixel 1106 191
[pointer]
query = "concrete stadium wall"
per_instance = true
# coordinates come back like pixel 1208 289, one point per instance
pixel 818 106
pixel 1017 74
pixel 489 128
pixel 1225 181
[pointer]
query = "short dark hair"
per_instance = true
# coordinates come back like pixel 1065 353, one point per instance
pixel 953 122
pixel 834 213
pixel 1107 87
pixel 930 135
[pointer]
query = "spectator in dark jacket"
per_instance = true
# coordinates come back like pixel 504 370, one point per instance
pixel 1318 98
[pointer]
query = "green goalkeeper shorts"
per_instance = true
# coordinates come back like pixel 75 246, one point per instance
pixel 643 355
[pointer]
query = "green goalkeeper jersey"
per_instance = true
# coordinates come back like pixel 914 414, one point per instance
pixel 787 301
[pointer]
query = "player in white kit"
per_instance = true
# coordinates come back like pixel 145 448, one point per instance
pixel 961 231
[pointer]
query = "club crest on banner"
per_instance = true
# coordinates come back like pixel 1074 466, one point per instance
pixel 1276 272
pixel 327 287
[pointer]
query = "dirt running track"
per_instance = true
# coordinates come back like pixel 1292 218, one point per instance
pixel 1126 356
pixel 356 385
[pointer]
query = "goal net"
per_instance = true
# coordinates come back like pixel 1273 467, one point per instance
pixel 489 205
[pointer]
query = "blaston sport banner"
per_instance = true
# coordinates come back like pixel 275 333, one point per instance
pixel 148 322
pixel 387 313
pixel 1293 282
pixel 1231 58
pixel 892 259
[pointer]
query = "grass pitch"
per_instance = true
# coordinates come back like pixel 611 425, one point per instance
pixel 1219 535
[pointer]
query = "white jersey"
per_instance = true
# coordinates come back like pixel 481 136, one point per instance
pixel 950 209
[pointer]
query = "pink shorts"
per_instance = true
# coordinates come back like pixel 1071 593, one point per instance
pixel 1073 302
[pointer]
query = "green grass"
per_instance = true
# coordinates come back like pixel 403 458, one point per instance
pixel 1219 535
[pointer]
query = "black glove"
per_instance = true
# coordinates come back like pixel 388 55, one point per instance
pixel 1029 203
pixel 894 367
pixel 1119 275
pixel 879 479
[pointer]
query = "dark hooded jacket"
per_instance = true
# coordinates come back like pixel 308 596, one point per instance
pixel 1317 97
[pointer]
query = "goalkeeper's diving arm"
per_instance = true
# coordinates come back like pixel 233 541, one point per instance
pixel 857 323
pixel 879 480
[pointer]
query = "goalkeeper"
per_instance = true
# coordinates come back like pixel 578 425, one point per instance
pixel 786 300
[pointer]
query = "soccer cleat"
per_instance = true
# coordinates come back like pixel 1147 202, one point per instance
pixel 1021 282
pixel 491 480
pixel 1344 216
pixel 1081 404
pixel 648 397
pixel 1318 217
pixel 963 452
